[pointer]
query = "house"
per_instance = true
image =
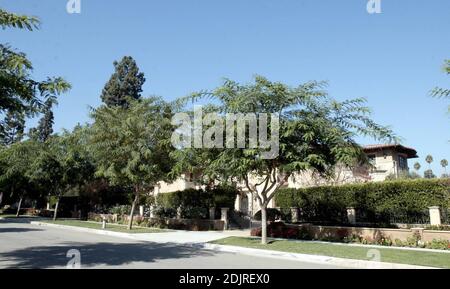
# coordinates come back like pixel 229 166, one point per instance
pixel 385 160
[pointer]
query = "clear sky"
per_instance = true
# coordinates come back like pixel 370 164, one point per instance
pixel 393 58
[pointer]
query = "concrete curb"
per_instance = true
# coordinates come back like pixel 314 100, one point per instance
pixel 317 259
pixel 369 246
pixel 87 230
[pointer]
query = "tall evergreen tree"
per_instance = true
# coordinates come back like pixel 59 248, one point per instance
pixel 13 129
pixel 125 83
pixel 45 126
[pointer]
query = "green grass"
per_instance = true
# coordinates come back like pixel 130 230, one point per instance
pixel 13 216
pixel 109 227
pixel 430 259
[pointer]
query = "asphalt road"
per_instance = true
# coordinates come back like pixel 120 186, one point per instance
pixel 23 245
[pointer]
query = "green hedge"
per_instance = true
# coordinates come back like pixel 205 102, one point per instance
pixel 195 204
pixel 375 202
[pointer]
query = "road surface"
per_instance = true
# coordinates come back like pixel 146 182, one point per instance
pixel 23 245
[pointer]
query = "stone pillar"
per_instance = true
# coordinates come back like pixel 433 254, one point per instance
pixel 152 211
pixel 418 232
pixel 224 217
pixel 435 216
pixel 48 206
pixel 104 223
pixel 141 211
pixel 295 215
pixel 351 215
pixel 212 213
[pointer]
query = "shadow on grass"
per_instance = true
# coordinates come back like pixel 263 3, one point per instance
pixel 109 254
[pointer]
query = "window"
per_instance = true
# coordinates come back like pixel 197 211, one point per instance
pixel 372 160
pixel 402 162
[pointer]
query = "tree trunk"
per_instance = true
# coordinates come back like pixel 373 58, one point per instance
pixel 56 209
pixel 1 197
pixel 133 206
pixel 19 206
pixel 263 224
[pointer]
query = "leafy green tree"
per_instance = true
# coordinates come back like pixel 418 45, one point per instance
pixel 442 92
pixel 13 129
pixel 316 133
pixel 124 85
pixel 64 165
pixel 18 21
pixel 131 146
pixel 17 162
pixel 19 92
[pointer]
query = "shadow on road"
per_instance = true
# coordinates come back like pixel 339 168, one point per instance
pixel 17 230
pixel 110 254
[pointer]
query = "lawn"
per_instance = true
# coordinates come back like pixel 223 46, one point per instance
pixel 431 259
pixel 109 227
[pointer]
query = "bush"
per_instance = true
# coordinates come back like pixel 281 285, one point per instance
pixel 195 204
pixel 278 230
pixel 272 215
pixel 376 201
pixel 162 212
pixel 120 210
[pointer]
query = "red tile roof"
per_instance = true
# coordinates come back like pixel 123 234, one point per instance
pixel 410 152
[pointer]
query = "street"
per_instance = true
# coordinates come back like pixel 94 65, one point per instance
pixel 23 245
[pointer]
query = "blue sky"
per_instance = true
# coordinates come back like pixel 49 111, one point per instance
pixel 393 58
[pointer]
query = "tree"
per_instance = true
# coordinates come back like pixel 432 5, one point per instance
pixel 17 160
pixel 417 166
pixel 429 159
pixel 442 92
pixel 45 125
pixel 18 21
pixel 315 133
pixel 428 174
pixel 64 165
pixel 125 83
pixel 13 129
pixel 444 164
pixel 131 146
pixel 19 92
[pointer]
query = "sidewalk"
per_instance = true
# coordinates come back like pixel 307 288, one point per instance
pixel 200 240
pixel 174 236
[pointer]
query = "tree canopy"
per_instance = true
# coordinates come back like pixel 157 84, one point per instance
pixel 131 145
pixel 315 133
pixel 124 85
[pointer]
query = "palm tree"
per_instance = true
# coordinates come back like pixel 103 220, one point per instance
pixel 429 160
pixel 444 164
pixel 417 166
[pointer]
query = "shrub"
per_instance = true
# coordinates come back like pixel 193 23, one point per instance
pixel 278 230
pixel 195 204
pixel 272 215
pixel 377 201
pixel 120 209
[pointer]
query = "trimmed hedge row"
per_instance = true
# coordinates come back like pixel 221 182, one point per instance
pixel 195 204
pixel 377 202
